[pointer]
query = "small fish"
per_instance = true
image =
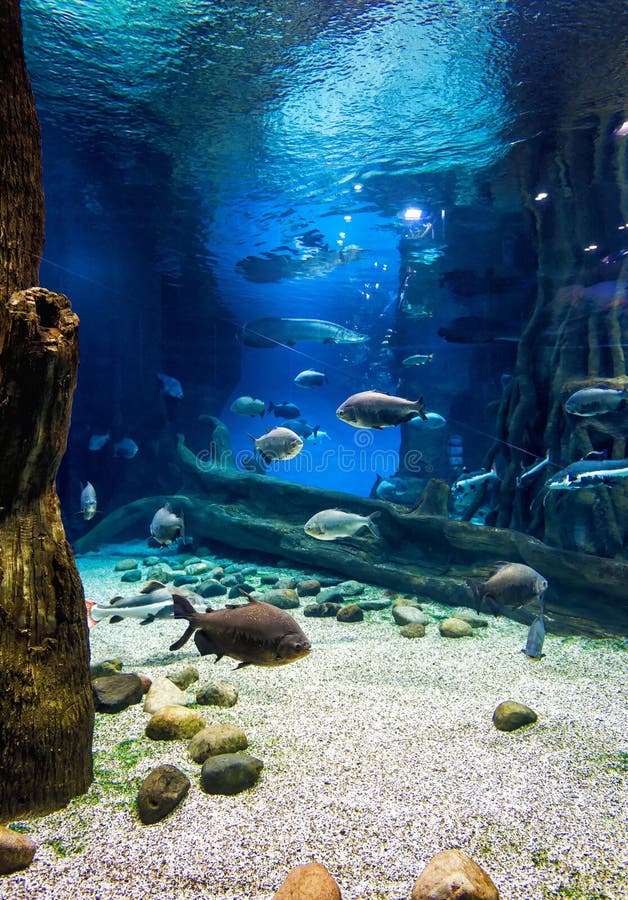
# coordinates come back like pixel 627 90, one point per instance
pixel 98 441
pixel 125 448
pixel 301 427
pixel 330 524
pixel 596 401
pixel 310 378
pixel 89 503
pixel 248 406
pixel 419 359
pixel 534 642
pixel 170 386
pixel 476 330
pixel 513 584
pixel 279 443
pixel 284 410
pixel 431 421
pixel 317 438
pixel 255 633
pixel 166 526
pixel 374 409
pixel 471 482
pixel 273 332
pixel 533 470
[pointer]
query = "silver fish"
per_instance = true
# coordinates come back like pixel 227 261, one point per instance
pixel 586 474
pixel 166 526
pixel 513 584
pixel 466 483
pixel 272 332
pixel 89 503
pixel 533 469
pixel 310 378
pixel 278 443
pixel 330 524
pixel 596 401
pixel 418 359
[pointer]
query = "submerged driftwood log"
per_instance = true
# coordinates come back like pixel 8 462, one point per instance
pixel 425 554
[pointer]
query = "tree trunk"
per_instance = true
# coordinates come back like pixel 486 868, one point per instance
pixel 46 706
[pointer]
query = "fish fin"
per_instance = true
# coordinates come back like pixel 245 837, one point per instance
pixel 420 402
pixel 205 646
pixel 147 620
pixel 475 590
pixel 182 532
pixel 167 507
pixel 151 586
pixel 372 527
pixel 315 431
pixel 183 609
pixel 185 637
pixel 252 438
pixel 240 665
pixel 267 459
pixel 113 600
pixel 114 619
pixel 248 597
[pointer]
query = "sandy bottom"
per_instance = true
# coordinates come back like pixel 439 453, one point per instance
pixel 378 752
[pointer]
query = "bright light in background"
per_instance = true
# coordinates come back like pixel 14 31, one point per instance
pixel 542 195
pixel 622 131
pixel 412 214
pixel 347 218
pixel 358 187
pixel 590 247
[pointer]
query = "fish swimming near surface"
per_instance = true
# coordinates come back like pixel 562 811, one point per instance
pixel 331 524
pixel 596 401
pixel 255 633
pixel 473 481
pixel 248 406
pixel 310 378
pixel 98 441
pixel 512 585
pixel 272 332
pixel 170 386
pixel 476 330
pixel 585 473
pixel 125 448
pixel 166 527
pixel 315 261
pixel 89 503
pixel 284 410
pixel 534 641
pixel 278 443
pixel 374 409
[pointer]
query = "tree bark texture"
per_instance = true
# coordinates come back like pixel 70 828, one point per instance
pixel 46 706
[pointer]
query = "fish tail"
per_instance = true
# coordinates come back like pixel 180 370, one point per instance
pixel 271 406
pixel 421 408
pixel 475 590
pixel 372 527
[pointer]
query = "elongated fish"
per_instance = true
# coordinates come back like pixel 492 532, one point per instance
pixel 532 470
pixel 271 332
pixel 255 633
pixel 588 474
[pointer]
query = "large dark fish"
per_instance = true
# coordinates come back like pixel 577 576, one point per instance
pixel 256 633
pixel 513 584
pixel 374 409
pixel 272 332
pixel 477 330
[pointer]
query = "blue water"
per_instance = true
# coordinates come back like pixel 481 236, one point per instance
pixel 180 138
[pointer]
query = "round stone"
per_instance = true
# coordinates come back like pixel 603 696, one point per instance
pixel 510 715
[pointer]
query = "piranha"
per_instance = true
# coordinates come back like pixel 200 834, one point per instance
pixel 89 503
pixel 166 526
pixel 126 448
pixel 330 524
pixel 248 406
pixel 513 584
pixel 170 386
pixel 374 409
pixel 273 332
pixel 279 443
pixel 284 410
pixel 255 632
pixel 310 378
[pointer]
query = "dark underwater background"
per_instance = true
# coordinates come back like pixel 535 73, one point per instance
pixel 206 163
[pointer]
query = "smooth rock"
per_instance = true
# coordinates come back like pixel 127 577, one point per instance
pixel 330 595
pixel 216 739
pixel 184 677
pixel 158 573
pixel 310 881
pixel 113 693
pixel 452 875
pixel 351 588
pixel 286 584
pixel 454 628
pixel 374 603
pixel 181 578
pixel 210 588
pixel 125 565
pixel 282 599
pixel 321 610
pixel 350 613
pixel 467 615
pixel 412 630
pixel 160 792
pixel 269 579
pixel 151 561
pixel 217 572
pixel 510 715
pixel 230 773
pixel 132 575
pixel 174 723
pixel 231 580
pixel 308 588
pixel 406 601
pixel 196 568
pixel 163 692
pixel 217 694
pixel 16 851
pixel 409 615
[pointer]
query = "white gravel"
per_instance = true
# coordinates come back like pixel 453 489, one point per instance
pixel 378 752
